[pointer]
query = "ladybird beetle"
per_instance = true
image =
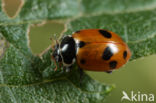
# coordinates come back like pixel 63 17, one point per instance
pixel 92 49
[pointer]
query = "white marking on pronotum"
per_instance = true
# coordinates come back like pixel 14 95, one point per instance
pixel 64 48
pixel 58 51
pixel 77 43
pixel 113 48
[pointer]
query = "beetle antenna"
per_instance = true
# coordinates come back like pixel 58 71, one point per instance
pixel 54 63
pixel 54 41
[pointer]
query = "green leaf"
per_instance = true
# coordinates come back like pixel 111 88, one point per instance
pixel 116 6
pixel 25 77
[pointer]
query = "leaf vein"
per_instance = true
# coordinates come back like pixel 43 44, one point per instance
pixel 9 90
pixel 125 33
pixel 52 80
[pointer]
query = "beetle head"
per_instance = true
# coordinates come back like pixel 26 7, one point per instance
pixel 56 53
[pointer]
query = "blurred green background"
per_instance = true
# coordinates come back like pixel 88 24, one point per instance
pixel 139 75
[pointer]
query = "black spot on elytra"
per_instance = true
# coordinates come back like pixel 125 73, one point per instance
pixel 124 54
pixel 81 44
pixel 105 33
pixel 113 64
pixel 107 54
pixel 82 61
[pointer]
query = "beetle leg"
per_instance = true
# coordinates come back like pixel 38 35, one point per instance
pixel 54 63
pixel 109 72
pixel 69 68
pixel 60 64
